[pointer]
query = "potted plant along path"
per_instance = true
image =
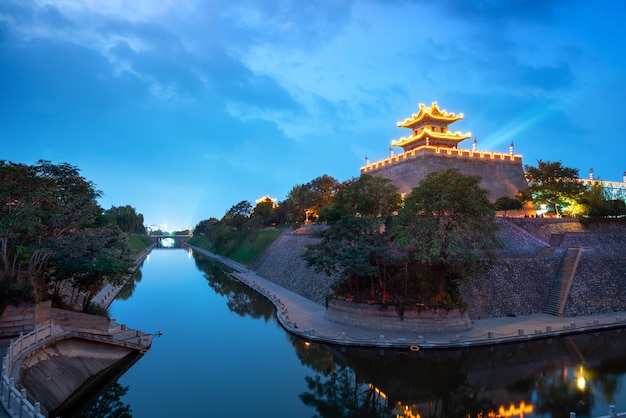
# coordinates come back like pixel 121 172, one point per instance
pixel 401 260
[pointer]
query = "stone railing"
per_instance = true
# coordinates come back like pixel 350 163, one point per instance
pixel 13 399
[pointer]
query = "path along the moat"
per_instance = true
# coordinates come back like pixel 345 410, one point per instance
pixel 305 318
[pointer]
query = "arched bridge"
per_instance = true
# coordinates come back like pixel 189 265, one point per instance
pixel 179 240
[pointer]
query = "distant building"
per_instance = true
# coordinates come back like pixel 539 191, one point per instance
pixel 432 147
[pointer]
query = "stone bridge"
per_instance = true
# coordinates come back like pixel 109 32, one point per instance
pixel 179 240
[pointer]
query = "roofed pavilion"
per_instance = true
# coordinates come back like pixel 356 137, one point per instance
pixel 429 127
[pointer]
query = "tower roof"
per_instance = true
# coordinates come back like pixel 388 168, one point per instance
pixel 430 128
pixel 428 114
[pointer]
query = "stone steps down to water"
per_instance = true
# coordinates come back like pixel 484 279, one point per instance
pixel 518 284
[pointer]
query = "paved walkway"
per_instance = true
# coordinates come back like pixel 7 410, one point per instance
pixel 305 318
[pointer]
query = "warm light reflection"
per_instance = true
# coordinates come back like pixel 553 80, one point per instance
pixel 189 252
pixel 514 411
pixel 581 382
pixel 377 391
pixel 411 411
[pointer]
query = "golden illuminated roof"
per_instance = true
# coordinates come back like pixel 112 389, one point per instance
pixel 428 114
pixel 428 137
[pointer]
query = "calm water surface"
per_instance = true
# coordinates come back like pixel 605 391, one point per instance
pixel 223 354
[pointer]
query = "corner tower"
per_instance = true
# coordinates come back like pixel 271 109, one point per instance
pixel 429 127
pixel 432 147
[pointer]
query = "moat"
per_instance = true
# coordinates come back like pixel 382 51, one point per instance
pixel 223 353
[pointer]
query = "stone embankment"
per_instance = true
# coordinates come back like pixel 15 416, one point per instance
pixel 78 352
pixel 518 284
pixel 282 263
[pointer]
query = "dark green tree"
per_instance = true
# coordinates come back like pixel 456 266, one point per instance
pixel 238 215
pixel 600 205
pixel 47 211
pixel 127 219
pixel 307 200
pixel 506 203
pixel 447 224
pixel 354 244
pixel 552 184
pixel 265 212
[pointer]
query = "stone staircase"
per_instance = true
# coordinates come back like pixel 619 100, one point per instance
pixel 562 283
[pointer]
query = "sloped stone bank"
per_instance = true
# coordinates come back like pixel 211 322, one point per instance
pixel 282 263
pixel 600 281
pixel 518 284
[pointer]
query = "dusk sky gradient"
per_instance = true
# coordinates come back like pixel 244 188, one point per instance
pixel 182 109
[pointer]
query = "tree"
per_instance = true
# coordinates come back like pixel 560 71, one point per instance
pixel 599 204
pixel 47 211
pixel 311 197
pixel 238 214
pixel 552 184
pixel 265 212
pixel 127 219
pixel 506 203
pixel 353 246
pixel 447 224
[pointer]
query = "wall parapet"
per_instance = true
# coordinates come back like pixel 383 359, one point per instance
pixel 456 152
pixel 386 317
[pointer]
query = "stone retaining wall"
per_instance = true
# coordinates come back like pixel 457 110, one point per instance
pixel 388 318
pixel 518 284
pixel 282 263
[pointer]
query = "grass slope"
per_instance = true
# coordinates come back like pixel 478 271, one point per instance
pixel 246 249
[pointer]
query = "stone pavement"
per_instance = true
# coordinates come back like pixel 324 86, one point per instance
pixel 305 318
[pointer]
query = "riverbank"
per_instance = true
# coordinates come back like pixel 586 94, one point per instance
pixel 305 318
pixel 81 355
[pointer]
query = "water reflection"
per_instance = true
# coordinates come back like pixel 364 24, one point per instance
pixel 240 299
pixel 109 404
pixel 550 377
pixel 539 378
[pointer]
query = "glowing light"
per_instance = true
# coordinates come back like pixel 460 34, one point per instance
pixel 581 382
pixel 266 198
pixel 377 391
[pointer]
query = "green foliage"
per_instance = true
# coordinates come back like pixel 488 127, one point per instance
pixel 244 249
pixel 406 254
pixel 51 228
pixel 447 223
pixel 126 218
pixel 355 245
pixel 138 243
pixel 264 213
pixel 307 200
pixel 506 203
pixel 552 184
pixel 600 205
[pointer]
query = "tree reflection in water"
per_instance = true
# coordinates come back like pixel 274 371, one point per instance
pixel 109 404
pixel 240 299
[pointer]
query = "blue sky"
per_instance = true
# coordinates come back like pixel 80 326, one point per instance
pixel 182 109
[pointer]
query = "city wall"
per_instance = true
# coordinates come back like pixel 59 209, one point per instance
pixel 502 174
